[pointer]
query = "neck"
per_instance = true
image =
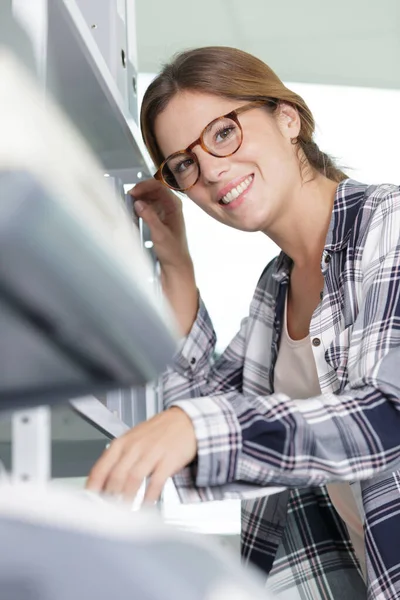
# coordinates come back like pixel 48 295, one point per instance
pixel 302 228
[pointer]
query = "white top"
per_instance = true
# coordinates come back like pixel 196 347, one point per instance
pixel 296 376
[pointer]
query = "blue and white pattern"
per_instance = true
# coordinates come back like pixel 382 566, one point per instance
pixel 351 432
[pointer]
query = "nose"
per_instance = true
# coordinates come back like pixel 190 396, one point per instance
pixel 212 168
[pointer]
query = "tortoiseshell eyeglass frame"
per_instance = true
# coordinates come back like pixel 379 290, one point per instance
pixel 234 114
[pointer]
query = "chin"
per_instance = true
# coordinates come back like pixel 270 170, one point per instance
pixel 249 227
pixel 252 228
pixel 252 223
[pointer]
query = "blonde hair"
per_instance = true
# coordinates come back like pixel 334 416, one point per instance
pixel 233 74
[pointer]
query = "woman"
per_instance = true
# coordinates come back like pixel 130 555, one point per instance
pixel 306 395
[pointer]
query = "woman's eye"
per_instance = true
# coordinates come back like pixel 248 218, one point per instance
pixel 183 165
pixel 223 134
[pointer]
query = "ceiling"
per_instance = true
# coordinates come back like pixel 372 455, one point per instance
pixel 348 42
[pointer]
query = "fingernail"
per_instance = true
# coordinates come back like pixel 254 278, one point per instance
pixel 138 206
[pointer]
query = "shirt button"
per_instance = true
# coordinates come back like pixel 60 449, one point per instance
pixel 192 361
pixel 328 258
pixel 316 342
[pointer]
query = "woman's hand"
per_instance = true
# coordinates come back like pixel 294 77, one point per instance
pixel 161 209
pixel 162 212
pixel 157 448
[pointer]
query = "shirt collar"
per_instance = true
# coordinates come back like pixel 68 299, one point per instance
pixel 346 206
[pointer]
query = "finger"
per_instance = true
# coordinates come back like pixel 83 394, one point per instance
pixel 156 194
pixel 99 473
pixel 152 208
pixel 156 483
pixel 146 185
pixel 118 475
pixel 136 477
pixel 158 230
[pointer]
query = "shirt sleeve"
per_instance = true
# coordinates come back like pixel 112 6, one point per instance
pixel 195 371
pixel 277 440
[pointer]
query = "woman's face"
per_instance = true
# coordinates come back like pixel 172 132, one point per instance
pixel 266 161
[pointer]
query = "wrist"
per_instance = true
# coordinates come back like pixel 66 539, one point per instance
pixel 179 288
pixel 186 428
pixel 173 274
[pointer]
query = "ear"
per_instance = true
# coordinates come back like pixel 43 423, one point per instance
pixel 288 120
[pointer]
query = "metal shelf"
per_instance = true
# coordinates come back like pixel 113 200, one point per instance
pixel 80 313
pixel 78 76
pixel 79 432
pixel 81 316
pixel 97 414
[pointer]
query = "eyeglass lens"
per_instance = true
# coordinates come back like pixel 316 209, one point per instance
pixel 221 138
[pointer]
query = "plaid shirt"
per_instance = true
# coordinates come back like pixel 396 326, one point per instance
pixel 351 432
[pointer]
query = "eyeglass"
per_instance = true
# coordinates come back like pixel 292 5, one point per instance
pixel 222 137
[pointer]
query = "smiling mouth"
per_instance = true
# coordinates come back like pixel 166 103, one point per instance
pixel 236 191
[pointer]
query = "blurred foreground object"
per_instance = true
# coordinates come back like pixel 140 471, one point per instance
pixel 61 547
pixel 78 310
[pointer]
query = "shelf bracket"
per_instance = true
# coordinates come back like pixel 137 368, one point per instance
pixel 31 445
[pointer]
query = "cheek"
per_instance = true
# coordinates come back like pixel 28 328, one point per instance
pixel 270 156
pixel 194 197
pixel 201 198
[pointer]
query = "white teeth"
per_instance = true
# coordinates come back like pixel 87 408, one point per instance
pixel 235 192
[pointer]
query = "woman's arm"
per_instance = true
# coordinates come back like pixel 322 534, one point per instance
pixel 277 440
